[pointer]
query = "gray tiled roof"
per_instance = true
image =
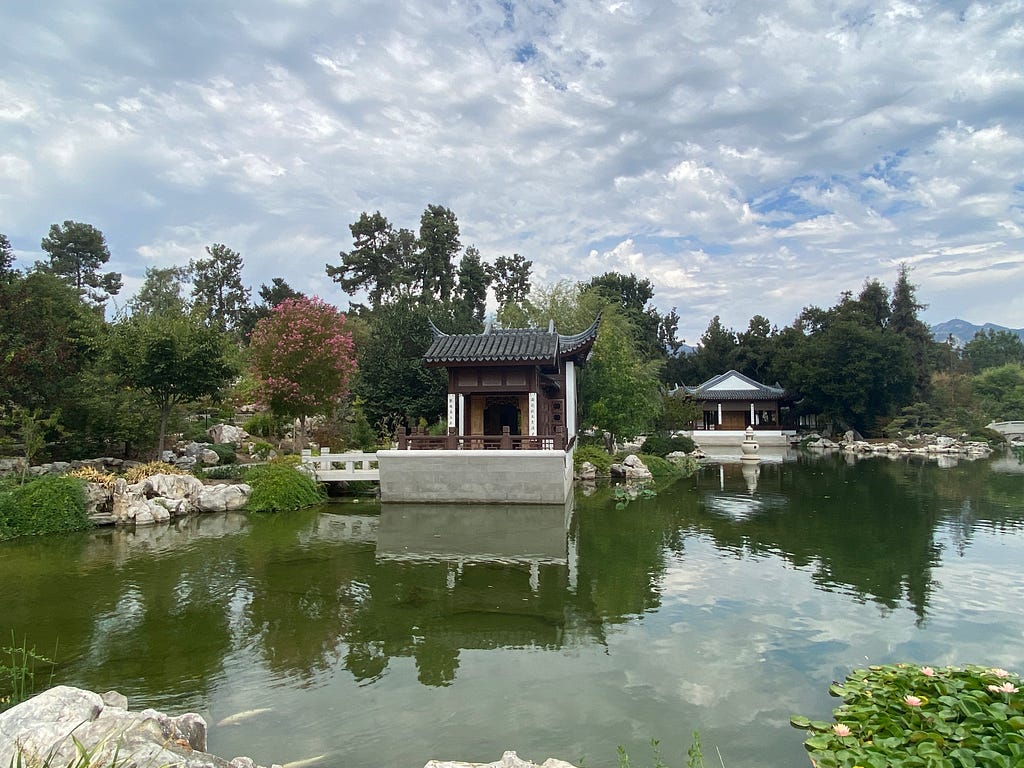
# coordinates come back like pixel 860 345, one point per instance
pixel 518 345
pixel 758 392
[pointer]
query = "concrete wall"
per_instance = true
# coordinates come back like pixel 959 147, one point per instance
pixel 475 477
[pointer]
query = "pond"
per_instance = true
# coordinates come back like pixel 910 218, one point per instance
pixel 371 636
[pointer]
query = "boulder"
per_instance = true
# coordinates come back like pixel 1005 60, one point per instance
pixel 98 499
pixel 41 729
pixel 508 760
pixel 587 471
pixel 209 457
pixel 168 457
pixel 224 498
pixel 227 433
pixel 631 468
pixel 172 487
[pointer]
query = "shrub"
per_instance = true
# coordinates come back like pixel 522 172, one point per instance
pixel 277 487
pixel 93 475
pixel 658 445
pixel 45 505
pixel 595 455
pixel 222 472
pixel 225 452
pixel 263 425
pixel 904 715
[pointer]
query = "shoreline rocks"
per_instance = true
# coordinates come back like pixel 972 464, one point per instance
pixel 158 498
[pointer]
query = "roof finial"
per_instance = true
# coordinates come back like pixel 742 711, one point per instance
pixel 551 325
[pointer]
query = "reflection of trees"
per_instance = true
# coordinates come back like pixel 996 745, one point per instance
pixel 622 553
pixel 870 525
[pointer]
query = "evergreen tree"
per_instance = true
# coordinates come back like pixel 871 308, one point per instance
pixel 510 276
pixel 217 286
pixel 471 292
pixel 77 251
pixel 992 348
pixel 905 322
pixel 161 291
pixel 7 270
pixel 439 242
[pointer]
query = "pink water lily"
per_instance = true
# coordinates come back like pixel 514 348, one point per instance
pixel 927 671
pixel 999 672
pixel 840 729
pixel 1006 687
pixel 912 701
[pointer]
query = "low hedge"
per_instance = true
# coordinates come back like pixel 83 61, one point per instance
pixel 43 505
pixel 659 445
pixel 277 487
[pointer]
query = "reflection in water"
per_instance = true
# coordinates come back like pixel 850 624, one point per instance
pixel 611 616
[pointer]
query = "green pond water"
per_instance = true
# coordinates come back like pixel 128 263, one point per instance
pixel 389 636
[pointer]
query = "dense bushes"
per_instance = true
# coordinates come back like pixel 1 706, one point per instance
pixel 595 455
pixel 46 505
pixel 657 445
pixel 279 487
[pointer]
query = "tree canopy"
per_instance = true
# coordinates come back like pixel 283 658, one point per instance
pixel 76 253
pixel 302 357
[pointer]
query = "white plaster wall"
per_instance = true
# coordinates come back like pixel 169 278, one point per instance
pixel 475 477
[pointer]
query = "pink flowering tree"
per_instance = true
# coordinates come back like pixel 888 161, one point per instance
pixel 302 356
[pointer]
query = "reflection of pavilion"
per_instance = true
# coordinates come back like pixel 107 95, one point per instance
pixel 458 535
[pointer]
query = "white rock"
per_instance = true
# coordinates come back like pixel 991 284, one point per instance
pixel 587 471
pixel 227 433
pixel 508 760
pixel 224 498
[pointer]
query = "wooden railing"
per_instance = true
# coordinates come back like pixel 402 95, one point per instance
pixel 421 441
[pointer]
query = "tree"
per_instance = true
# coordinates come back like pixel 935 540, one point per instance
pixel 217 286
pixel 393 384
pixel 903 320
pixel 172 356
pixel 48 335
pixel 619 391
pixel 7 270
pixel 1001 392
pixel 991 349
pixel 716 351
pixel 630 295
pixel 510 276
pixel 271 296
pixel 439 242
pixel 302 356
pixel 471 293
pixel 373 264
pixel 755 349
pixel 161 291
pixel 77 251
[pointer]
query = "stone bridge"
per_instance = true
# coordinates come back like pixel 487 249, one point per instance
pixel 1009 429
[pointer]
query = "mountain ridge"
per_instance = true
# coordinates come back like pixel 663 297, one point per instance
pixel 963 331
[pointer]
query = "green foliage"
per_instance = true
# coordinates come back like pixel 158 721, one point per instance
pixel 77 251
pixel 264 425
pixel 225 452
pixel 991 349
pixel 173 357
pixel 48 336
pixel 694 755
pixel 659 466
pixel 659 445
pixel 277 487
pixel 393 385
pixel 217 287
pixel 41 506
pixel 903 715
pixel 223 472
pixel 1001 392
pixel 596 455
pixel 18 672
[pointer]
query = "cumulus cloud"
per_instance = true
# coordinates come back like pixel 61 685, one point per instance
pixel 746 158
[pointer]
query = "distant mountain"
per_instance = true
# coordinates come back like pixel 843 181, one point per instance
pixel 963 331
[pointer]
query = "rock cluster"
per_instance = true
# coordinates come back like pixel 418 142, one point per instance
pixel 920 445
pixel 14 466
pixel 631 468
pixel 508 760
pixel 47 729
pixel 158 498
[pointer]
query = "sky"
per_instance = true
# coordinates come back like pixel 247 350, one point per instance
pixel 747 158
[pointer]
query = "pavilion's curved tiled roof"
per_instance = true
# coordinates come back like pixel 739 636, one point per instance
pixel 712 389
pixel 512 345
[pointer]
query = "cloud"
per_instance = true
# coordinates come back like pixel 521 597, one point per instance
pixel 755 158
